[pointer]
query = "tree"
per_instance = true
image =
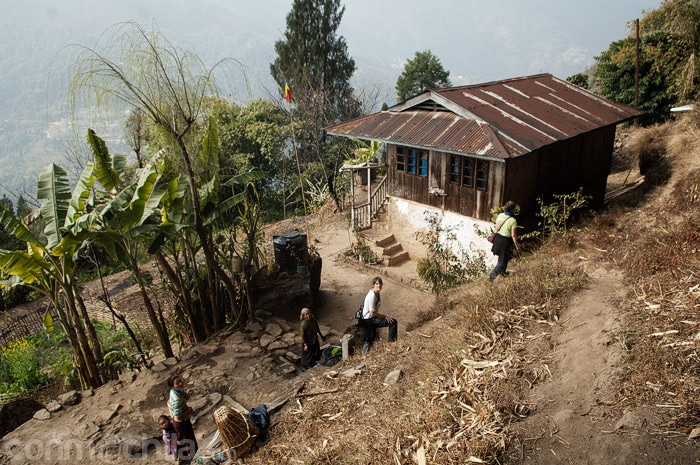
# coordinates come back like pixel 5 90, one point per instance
pixel 253 137
pixel 679 19
pixel 668 74
pixel 420 74
pixel 578 79
pixel 171 87
pixel 615 71
pixel 125 215
pixel 313 60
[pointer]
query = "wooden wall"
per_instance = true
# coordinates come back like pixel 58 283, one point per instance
pixel 560 168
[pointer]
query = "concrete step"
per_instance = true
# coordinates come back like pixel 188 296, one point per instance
pixel 393 249
pixel 384 241
pixel 398 258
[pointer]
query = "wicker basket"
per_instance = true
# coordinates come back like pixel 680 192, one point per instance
pixel 238 433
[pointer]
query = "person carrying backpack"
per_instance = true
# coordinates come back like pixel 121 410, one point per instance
pixel 372 319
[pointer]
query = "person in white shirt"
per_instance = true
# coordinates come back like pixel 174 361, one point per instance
pixel 372 319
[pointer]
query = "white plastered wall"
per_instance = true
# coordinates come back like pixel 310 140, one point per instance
pixel 406 217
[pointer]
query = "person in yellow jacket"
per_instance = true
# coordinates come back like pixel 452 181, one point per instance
pixel 506 240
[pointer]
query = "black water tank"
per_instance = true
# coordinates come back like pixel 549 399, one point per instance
pixel 290 248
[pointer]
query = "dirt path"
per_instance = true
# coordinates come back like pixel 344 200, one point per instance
pixel 344 283
pixel 573 421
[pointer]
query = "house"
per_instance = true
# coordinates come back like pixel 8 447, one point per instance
pixel 468 149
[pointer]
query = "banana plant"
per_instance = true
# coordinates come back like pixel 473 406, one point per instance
pixel 126 215
pixel 49 267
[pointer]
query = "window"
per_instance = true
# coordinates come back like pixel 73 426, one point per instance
pixel 423 158
pixel 482 175
pixel 412 161
pixel 468 173
pixel 400 159
pixel 455 168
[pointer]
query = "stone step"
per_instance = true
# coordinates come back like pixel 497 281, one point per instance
pixel 393 249
pixel 398 258
pixel 385 241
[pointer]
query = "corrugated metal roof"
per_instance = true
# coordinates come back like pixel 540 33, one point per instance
pixel 500 119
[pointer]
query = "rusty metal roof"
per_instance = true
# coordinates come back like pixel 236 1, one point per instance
pixel 500 119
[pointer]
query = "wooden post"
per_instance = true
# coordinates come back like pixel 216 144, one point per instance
pixel 352 200
pixel 345 346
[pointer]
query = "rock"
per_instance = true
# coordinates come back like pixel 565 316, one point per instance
pixel 634 419
pixel 292 357
pixel 355 342
pixel 54 406
pixel 87 393
pixel 291 339
pixel 393 377
pixel 110 413
pixel 284 325
pixel 207 349
pixel 42 414
pixel 170 361
pixel 277 345
pixel 86 430
pixel 215 398
pixel 287 368
pixel 159 367
pixel 325 329
pixel 350 373
pixel 274 329
pixel 266 339
pixel 253 327
pixel 69 398
pixel 237 337
pixel 198 403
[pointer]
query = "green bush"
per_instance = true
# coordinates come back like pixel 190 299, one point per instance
pixel 447 264
pixel 22 370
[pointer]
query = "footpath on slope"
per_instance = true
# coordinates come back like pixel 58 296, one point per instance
pixel 573 421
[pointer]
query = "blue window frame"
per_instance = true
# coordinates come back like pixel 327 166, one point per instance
pixel 412 161
pixel 423 163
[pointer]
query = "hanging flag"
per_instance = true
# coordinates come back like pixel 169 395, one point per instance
pixel 48 322
pixel 287 92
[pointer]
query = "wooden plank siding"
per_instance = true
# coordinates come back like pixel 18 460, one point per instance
pixel 559 168
pixel 467 201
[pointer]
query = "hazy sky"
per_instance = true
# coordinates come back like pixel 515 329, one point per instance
pixel 476 40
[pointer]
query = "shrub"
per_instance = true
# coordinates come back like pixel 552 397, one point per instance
pixel 556 214
pixel 447 264
pixel 22 369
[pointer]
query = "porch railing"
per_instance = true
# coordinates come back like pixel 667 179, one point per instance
pixel 362 214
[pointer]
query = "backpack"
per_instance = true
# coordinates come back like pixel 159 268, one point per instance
pixel 330 356
pixel 359 312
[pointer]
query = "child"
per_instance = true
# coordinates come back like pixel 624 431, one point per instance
pixel 169 434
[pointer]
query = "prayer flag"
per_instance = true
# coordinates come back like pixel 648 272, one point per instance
pixel 287 92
